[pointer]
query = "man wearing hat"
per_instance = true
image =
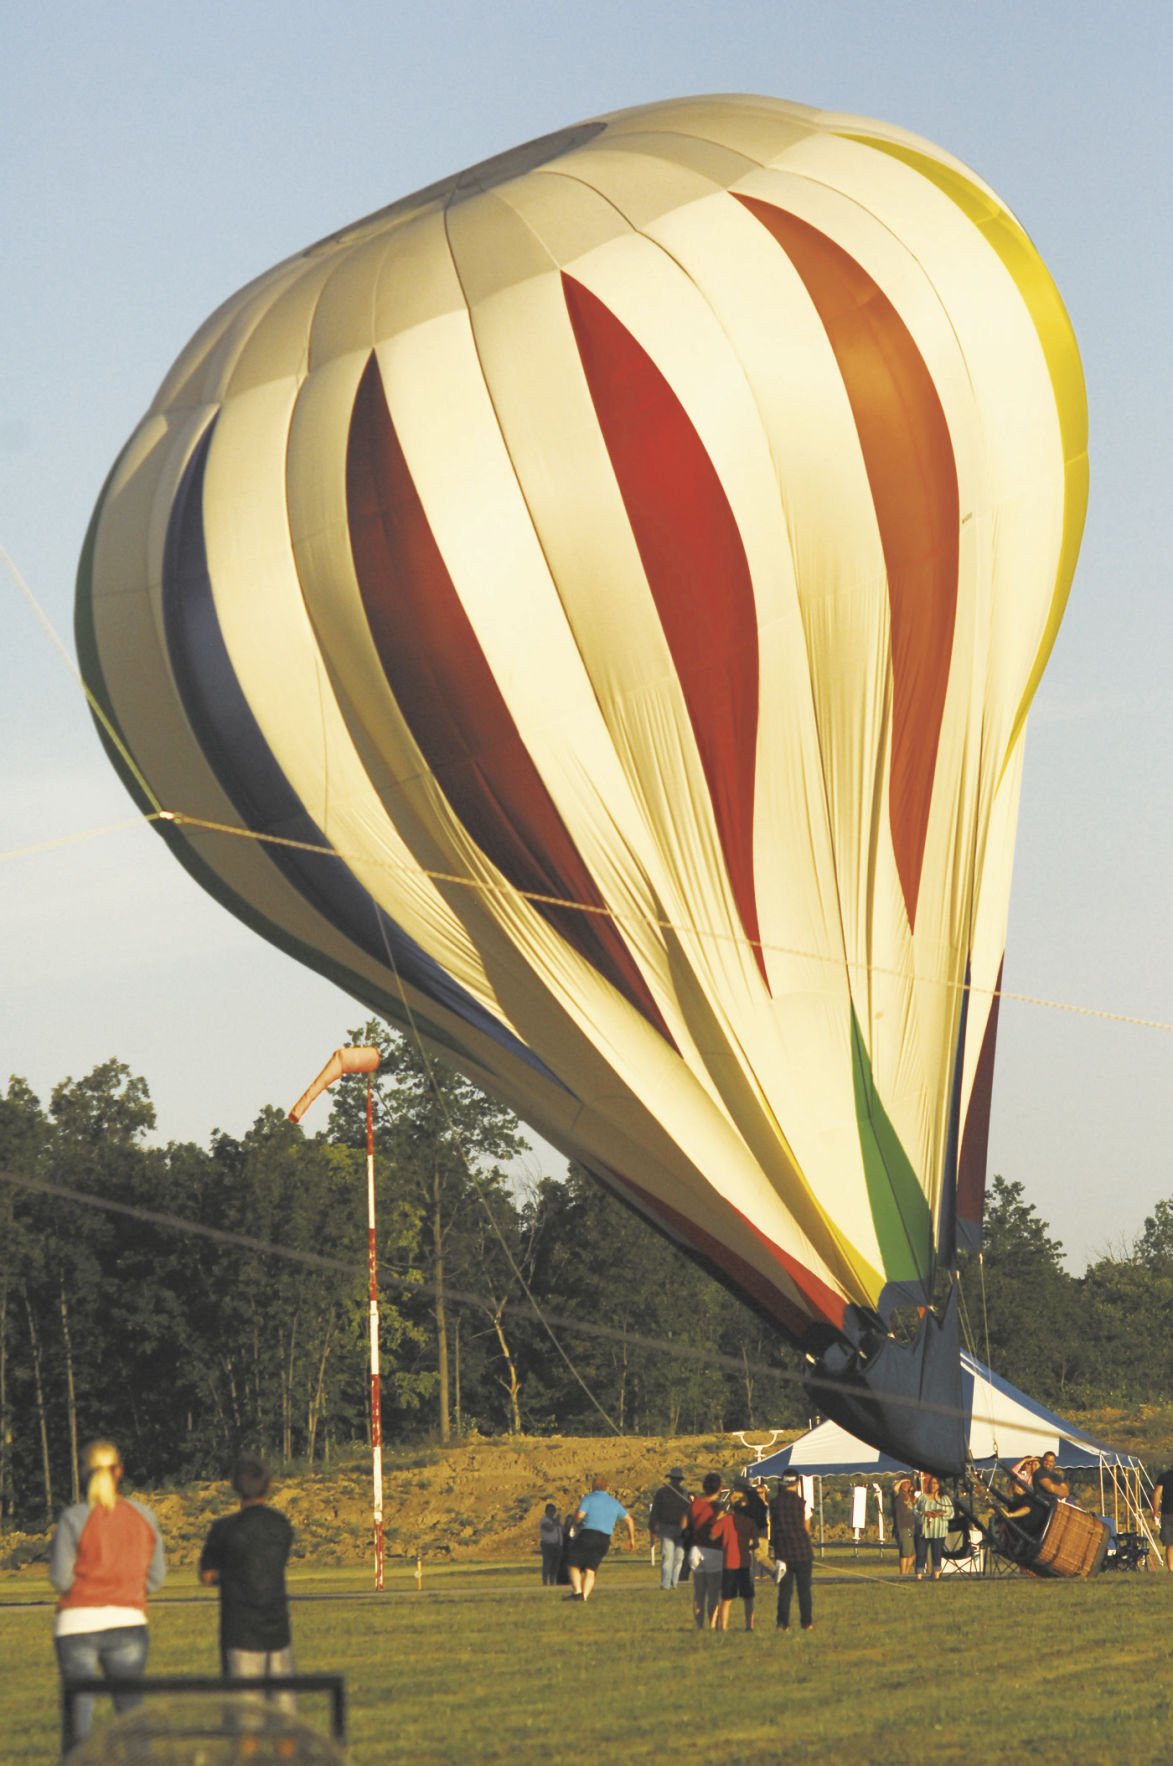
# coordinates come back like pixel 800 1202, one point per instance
pixel 790 1542
pixel 667 1521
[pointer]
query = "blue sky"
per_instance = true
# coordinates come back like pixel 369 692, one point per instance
pixel 155 159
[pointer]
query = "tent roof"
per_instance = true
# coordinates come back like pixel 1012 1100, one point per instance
pixel 1003 1425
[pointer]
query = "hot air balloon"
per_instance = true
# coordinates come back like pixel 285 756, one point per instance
pixel 589 609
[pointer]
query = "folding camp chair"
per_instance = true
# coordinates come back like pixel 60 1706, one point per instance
pixel 1127 1551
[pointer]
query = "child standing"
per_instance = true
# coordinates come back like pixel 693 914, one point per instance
pixel 245 1555
pixel 550 1545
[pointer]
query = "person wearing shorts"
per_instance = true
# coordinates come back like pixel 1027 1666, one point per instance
pixel 736 1533
pixel 594 1523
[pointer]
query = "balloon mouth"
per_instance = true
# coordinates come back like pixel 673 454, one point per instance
pixel 903 1398
pixel 461 186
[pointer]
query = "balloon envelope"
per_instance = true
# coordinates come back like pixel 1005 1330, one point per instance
pixel 612 583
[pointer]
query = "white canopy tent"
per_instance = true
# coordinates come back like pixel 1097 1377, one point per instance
pixel 1003 1425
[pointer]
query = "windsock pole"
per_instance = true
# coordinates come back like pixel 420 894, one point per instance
pixel 376 1399
pixel 341 1062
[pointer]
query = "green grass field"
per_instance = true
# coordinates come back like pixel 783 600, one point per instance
pixel 485 1664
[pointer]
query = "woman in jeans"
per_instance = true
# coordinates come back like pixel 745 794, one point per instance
pixel 934 1511
pixel 106 1557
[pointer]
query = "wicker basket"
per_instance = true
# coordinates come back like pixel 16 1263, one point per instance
pixel 1073 1543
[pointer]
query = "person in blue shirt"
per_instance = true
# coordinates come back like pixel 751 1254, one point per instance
pixel 594 1522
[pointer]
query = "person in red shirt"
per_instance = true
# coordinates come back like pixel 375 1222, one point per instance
pixel 736 1533
pixel 707 1559
pixel 106 1557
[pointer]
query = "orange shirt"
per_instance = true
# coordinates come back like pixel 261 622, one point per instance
pixel 114 1552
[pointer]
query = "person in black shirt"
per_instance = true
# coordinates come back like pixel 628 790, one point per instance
pixel 1048 1481
pixel 667 1522
pixel 749 1497
pixel 244 1556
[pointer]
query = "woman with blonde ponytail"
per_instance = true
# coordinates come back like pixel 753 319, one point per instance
pixel 106 1557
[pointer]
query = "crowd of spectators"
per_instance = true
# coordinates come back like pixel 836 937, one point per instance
pixel 717 1542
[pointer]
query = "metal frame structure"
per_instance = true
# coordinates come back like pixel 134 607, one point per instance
pixel 332 1684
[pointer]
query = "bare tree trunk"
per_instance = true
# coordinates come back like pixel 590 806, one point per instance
pixel 747 1382
pixel 42 1417
pixel 318 1396
pixel 216 1397
pixel 234 1395
pixel 441 1308
pixel 287 1394
pixel 70 1397
pixel 621 1415
pixel 456 1379
pixel 7 1481
pixel 512 1383
pixel 258 1386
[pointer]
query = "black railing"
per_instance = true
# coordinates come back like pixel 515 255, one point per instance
pixel 332 1684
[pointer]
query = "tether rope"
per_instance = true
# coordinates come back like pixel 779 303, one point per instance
pixel 63 654
pixel 473 1176
pixel 178 818
pixel 584 1327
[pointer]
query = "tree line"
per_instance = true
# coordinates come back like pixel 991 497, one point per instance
pixel 193 1301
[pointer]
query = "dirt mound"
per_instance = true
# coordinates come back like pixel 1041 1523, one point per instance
pixel 481 1499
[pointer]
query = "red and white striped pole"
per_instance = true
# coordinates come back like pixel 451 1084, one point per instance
pixel 342 1062
pixel 373 1284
